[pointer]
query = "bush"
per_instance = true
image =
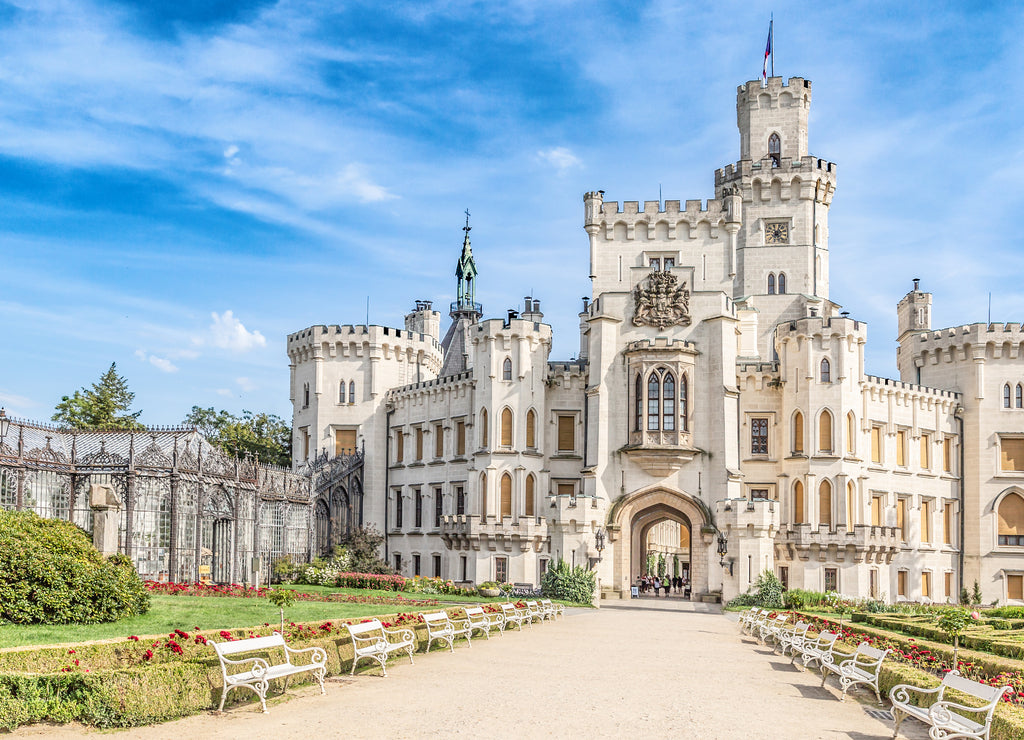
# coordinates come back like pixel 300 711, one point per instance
pixel 562 581
pixel 51 574
pixel 769 590
pixel 798 598
pixel 364 546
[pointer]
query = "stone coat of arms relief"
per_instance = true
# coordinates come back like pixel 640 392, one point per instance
pixel 662 302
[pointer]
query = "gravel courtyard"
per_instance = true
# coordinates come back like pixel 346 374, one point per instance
pixel 640 668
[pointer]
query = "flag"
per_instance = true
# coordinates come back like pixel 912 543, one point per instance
pixel 767 53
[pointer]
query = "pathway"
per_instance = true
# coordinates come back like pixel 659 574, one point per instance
pixel 638 668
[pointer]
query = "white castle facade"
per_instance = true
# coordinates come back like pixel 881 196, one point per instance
pixel 719 398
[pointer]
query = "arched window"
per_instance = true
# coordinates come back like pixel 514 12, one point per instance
pixel 460 500
pixel 530 486
pixel 653 404
pixel 782 283
pixel 639 403
pixel 798 433
pixel 506 427
pixel 798 503
pixel 483 427
pixel 825 503
pixel 341 392
pixel 1019 396
pixel 1006 396
pixel 771 283
pixel 506 495
pixel 826 370
pixel 668 403
pixel 305 395
pixel 531 429
pixel 851 509
pixel 683 403
pixel 352 391
pixel 825 431
pixel 775 149
pixel 483 495
pixel 851 433
pixel 506 369
pixel 1011 520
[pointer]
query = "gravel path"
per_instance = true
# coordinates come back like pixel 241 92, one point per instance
pixel 640 668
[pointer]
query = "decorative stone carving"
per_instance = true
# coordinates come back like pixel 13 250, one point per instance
pixel 663 302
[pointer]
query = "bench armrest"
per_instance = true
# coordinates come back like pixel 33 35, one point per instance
pixel 462 624
pixel 900 693
pixel 260 666
pixel 319 654
pixel 940 713
pixel 366 639
pixel 405 634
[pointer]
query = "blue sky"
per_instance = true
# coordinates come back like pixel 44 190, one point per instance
pixel 183 184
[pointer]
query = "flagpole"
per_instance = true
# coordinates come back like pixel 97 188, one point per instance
pixel 771 35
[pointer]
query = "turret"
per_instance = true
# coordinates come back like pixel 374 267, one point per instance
pixel 914 315
pixel 424 320
pixel 773 119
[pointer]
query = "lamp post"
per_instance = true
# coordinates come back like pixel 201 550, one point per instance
pixel 723 550
pixel 599 546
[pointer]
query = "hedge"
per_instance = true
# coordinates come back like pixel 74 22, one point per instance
pixel 113 686
pixel 1001 645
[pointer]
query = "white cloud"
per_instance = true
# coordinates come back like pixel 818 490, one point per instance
pixel 14 404
pixel 245 384
pixel 230 152
pixel 227 332
pixel 224 392
pixel 561 157
pixel 161 363
pixel 355 182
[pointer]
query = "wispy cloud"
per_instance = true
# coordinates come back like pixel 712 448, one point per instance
pixel 227 332
pixel 561 157
pixel 246 384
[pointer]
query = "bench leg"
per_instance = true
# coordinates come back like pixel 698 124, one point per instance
pixel 409 650
pixel 320 673
pixel 898 716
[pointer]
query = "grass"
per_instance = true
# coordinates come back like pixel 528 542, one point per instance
pixel 444 599
pixel 187 612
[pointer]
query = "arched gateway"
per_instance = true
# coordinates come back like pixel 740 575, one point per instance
pixel 633 516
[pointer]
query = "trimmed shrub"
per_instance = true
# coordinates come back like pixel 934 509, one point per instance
pixel 51 574
pixel 562 581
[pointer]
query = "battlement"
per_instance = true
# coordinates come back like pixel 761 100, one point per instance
pixel 430 385
pixel 992 341
pixel 512 326
pixel 809 169
pixel 759 368
pixel 691 210
pixel 913 388
pixel 568 367
pixel 661 343
pixel 826 326
pixel 310 341
pixel 752 90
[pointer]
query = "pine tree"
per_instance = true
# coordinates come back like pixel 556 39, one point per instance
pixel 106 405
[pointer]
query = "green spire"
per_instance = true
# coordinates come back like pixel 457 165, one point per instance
pixel 466 273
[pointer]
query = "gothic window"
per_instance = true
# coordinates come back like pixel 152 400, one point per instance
pixel 798 503
pixel 1019 396
pixel 683 387
pixel 529 504
pixel 438 508
pixel 483 495
pixel 668 403
pixel 506 427
pixel 851 506
pixel 341 392
pixel 398 509
pixel 758 436
pixel 798 433
pixel 1011 520
pixel 506 369
pixel 826 371
pixel 1006 396
pixel 656 263
pixel 825 432
pixel 531 429
pixel 771 283
pixel 775 149
pixel 851 433
pixel 418 510
pixel 305 395
pixel 352 391
pixel 483 427
pixel 653 402
pixel 460 500
pixel 670 262
pixel 639 403
pixel 782 283
pixel 825 504
pixel 506 495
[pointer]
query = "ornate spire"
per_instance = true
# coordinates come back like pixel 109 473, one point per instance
pixel 465 272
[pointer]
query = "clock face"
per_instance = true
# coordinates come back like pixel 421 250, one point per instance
pixel 776 234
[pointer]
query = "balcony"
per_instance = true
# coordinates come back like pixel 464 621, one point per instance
pixel 865 542
pixel 660 453
pixel 505 534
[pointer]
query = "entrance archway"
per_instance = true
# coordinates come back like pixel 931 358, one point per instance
pixel 663 543
pixel 633 517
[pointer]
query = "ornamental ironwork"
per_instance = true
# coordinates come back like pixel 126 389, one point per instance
pixel 662 302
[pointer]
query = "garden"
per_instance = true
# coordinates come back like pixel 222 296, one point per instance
pixel 82 638
pixel 924 641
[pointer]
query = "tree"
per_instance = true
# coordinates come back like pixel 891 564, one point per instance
pixel 363 545
pixel 263 435
pixel 106 405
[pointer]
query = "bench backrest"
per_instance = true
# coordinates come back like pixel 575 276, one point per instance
pixel 827 639
pixel 972 688
pixel 362 628
pixel 508 608
pixel 474 611
pixel 531 604
pixel 246 646
pixel 434 617
pixel 869 652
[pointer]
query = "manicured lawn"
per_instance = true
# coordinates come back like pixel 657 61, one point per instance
pixel 188 612
pixel 406 594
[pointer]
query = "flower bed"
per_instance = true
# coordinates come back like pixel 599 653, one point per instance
pixel 249 592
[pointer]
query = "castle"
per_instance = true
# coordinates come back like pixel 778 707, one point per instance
pixel 718 411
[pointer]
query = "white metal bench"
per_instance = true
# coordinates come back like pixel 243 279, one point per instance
pixel 790 636
pixel 751 620
pixel 551 609
pixel 817 650
pixel 771 628
pixel 862 668
pixel 534 611
pixel 482 621
pixel 940 715
pixel 372 640
pixel 445 629
pixel 514 616
pixel 260 671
